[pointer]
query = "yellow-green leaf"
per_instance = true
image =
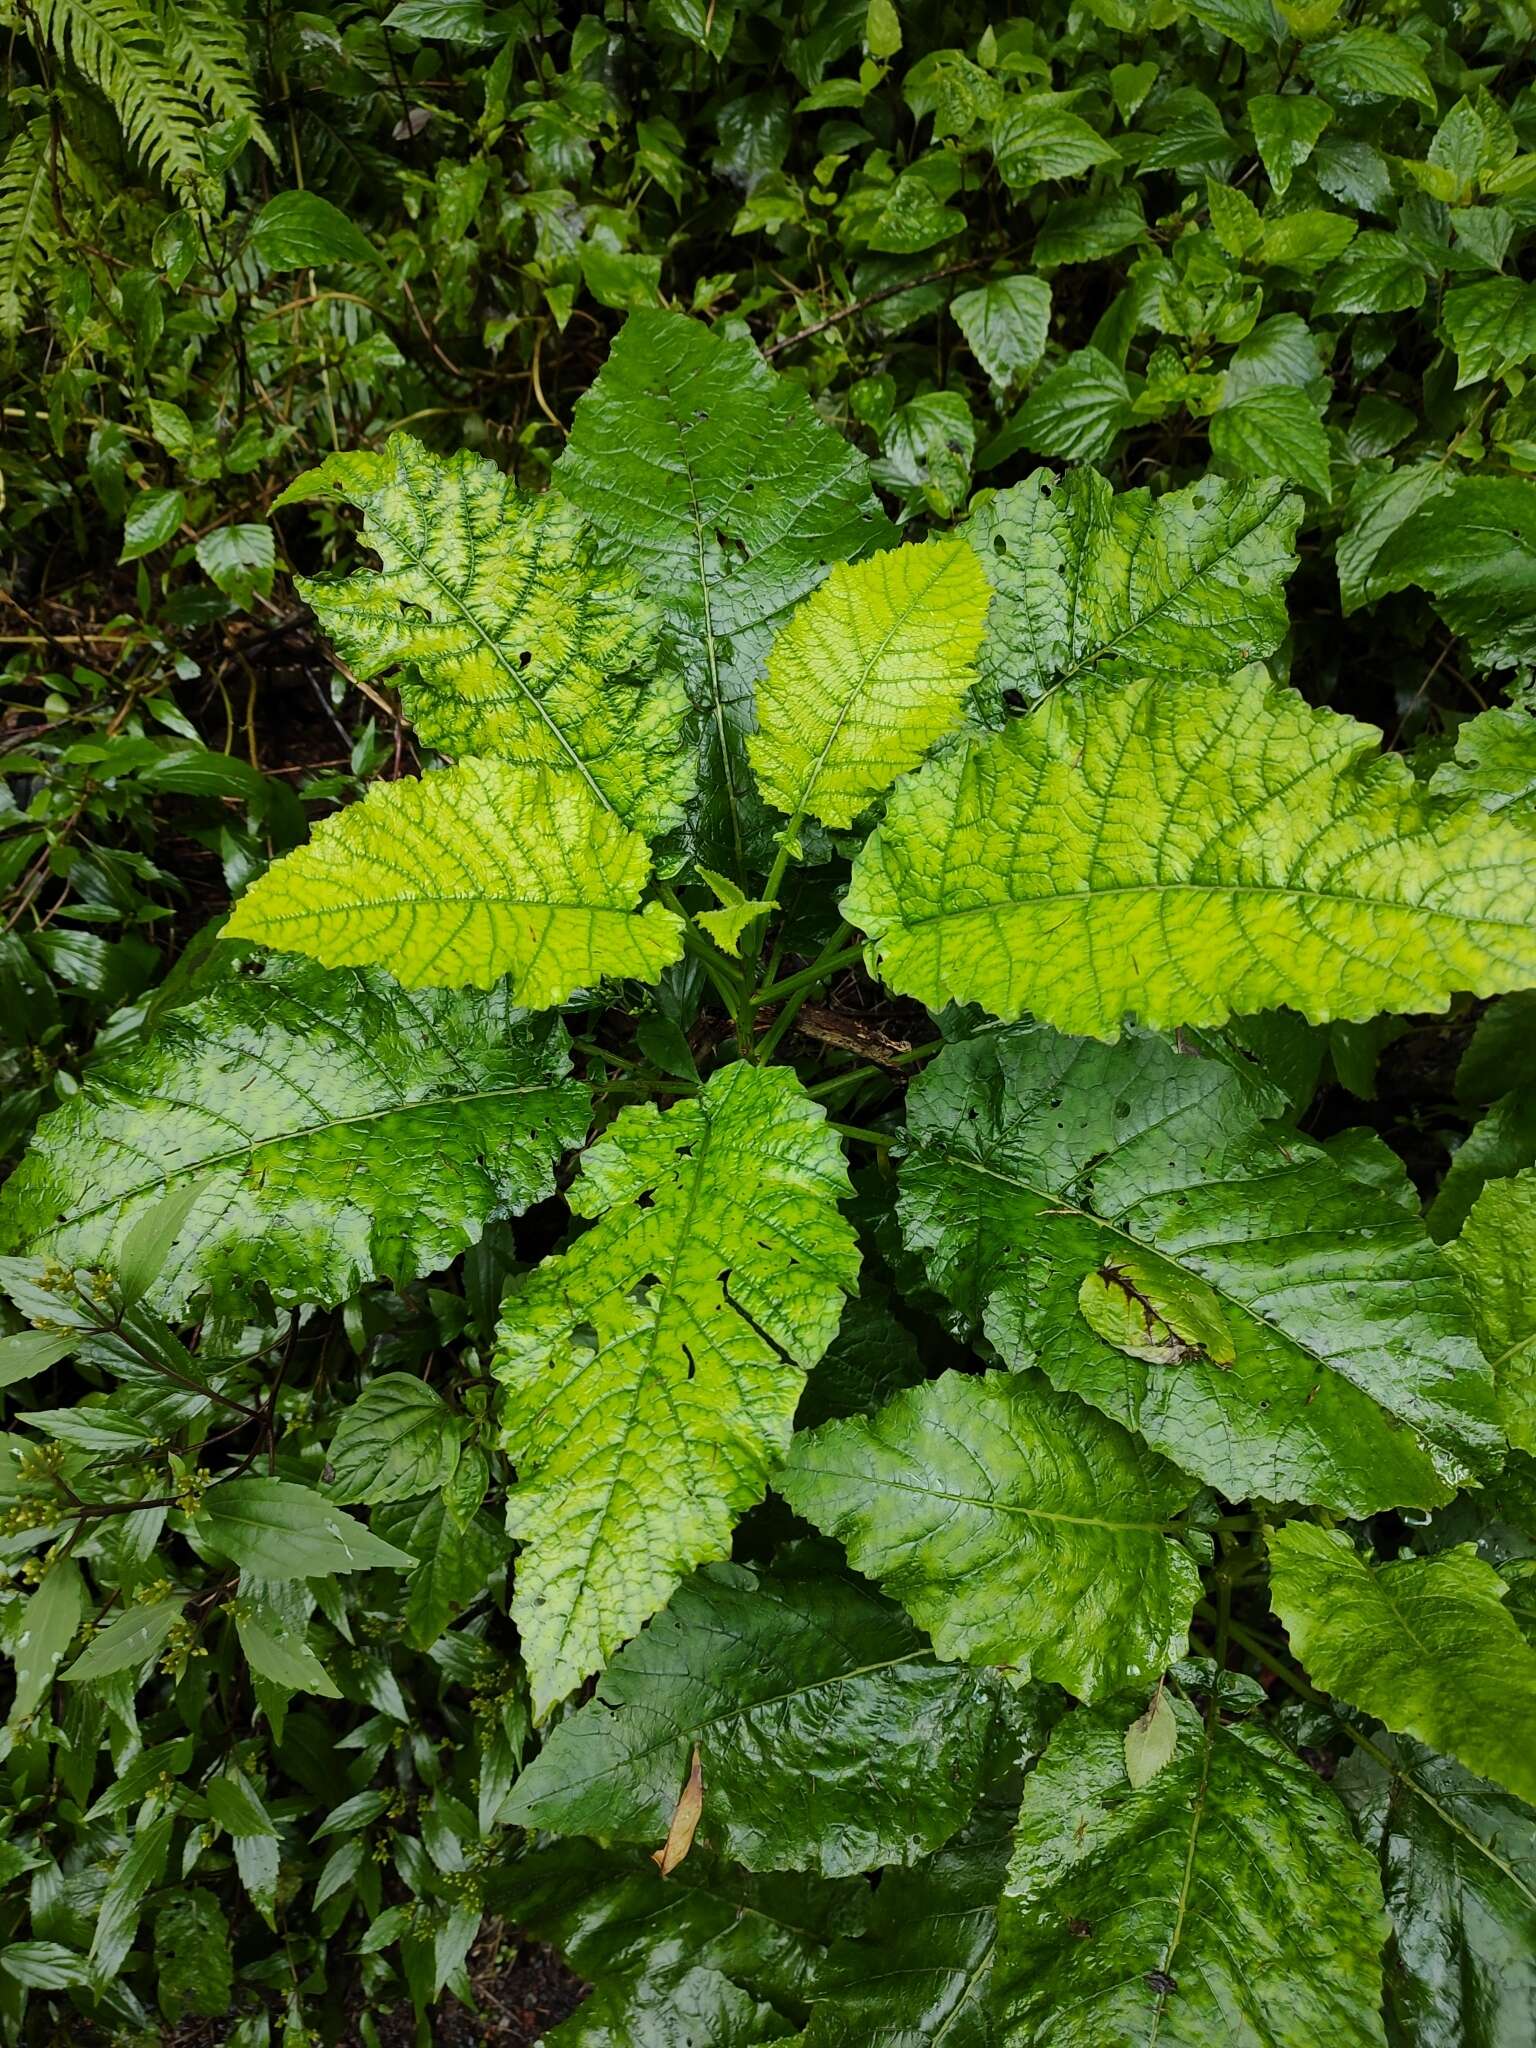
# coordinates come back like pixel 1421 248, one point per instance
pixel 511 638
pixel 1496 1258
pixel 869 672
pixel 1182 852
pixel 480 871
pixel 653 1370
pixel 1425 1643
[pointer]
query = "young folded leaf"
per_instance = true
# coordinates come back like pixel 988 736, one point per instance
pixel 868 673
pixel 1226 1900
pixel 1182 852
pixel 468 875
pixel 786 1684
pixel 1496 1258
pixel 511 639
pixel 1152 1740
pixel 1187 585
pixel 1013 1523
pixel 336 1127
pixel 652 1370
pixel 716 482
pixel 1425 1644
pixel 1319 1346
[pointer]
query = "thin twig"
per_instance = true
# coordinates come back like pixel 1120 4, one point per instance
pixel 890 291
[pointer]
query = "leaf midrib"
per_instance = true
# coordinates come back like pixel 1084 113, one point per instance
pixel 691 1731
pixel 1285 891
pixel 214 1160
pixel 451 897
pixel 1196 1819
pixel 1059 1204
pixel 717 700
pixel 855 689
pixel 494 648
pixel 642 1380
pixel 996 1506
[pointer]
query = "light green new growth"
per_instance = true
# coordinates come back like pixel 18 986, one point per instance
pixel 1014 1524
pixel 467 875
pixel 336 1129
pixel 736 911
pixel 511 638
pixel 1183 852
pixel 652 1371
pixel 1190 584
pixel 869 672
pixel 1426 1644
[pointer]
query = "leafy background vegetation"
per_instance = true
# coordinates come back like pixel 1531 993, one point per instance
pixel 273 1763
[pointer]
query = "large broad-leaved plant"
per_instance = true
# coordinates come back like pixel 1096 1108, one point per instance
pixel 807 1585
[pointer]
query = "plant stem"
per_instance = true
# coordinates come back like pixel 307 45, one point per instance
pixel 768 1043
pixel 855 1076
pixel 829 963
pixel 602 1052
pixel 726 985
pixel 752 942
pixel 860 1136
pixel 714 963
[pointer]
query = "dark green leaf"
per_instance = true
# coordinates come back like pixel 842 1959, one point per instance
pixel 791 1689
pixel 1189 1911
pixel 302 231
pixel 279 1530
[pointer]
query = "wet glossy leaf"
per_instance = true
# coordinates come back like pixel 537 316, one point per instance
pixel 828 1736
pixel 1189 1911
pixel 1351 1377
pixel 716 486
pixel 336 1127
pixel 1013 1523
pixel 1424 1643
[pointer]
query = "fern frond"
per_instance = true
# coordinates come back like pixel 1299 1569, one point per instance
pixel 343 163
pixel 27 228
pixel 118 45
pixel 206 44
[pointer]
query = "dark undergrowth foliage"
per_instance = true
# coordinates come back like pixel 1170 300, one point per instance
pixel 767 1000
